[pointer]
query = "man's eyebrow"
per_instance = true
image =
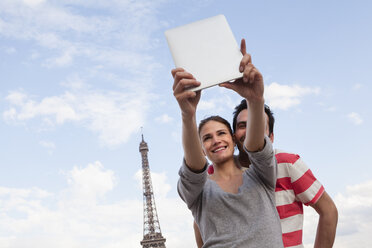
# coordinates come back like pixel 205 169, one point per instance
pixel 240 122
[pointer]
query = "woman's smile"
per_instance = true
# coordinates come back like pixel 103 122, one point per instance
pixel 219 149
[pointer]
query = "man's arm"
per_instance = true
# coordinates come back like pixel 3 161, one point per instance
pixel 328 215
pixel 198 238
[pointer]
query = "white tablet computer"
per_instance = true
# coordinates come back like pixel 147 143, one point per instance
pixel 207 49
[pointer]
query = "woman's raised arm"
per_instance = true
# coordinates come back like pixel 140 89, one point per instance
pixel 188 101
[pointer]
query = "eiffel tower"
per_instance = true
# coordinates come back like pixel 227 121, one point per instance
pixel 152 236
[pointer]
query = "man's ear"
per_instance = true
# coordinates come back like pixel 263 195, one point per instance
pixel 271 136
pixel 234 138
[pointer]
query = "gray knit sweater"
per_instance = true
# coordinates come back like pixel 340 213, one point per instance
pixel 246 219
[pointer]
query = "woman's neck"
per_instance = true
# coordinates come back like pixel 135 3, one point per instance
pixel 226 170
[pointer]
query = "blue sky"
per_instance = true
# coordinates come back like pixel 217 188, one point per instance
pixel 78 79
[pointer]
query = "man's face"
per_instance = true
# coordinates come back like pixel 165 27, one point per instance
pixel 241 124
pixel 240 129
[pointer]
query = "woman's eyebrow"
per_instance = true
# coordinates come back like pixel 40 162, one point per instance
pixel 205 135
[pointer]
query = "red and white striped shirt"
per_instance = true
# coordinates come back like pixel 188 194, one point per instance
pixel 295 186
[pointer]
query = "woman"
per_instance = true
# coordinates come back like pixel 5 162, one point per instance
pixel 232 208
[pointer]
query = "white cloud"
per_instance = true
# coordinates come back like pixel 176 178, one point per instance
pixel 10 50
pixel 64 59
pixel 354 218
pixel 34 55
pixel 331 109
pixel 60 106
pixel 326 107
pixel 112 45
pixel 33 2
pixel 75 82
pixel 355 118
pixel 276 96
pixel 89 184
pixel 124 32
pixel 207 105
pixel 285 96
pixel 80 216
pixel 10 114
pixel 32 218
pixel 24 193
pixel 159 185
pixel 47 144
pixel 225 101
pixel 357 86
pixel 102 112
pixel 16 98
pixel 164 119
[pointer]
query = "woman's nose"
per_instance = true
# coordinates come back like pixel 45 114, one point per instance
pixel 216 140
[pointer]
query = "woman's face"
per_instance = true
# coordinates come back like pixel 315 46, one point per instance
pixel 217 142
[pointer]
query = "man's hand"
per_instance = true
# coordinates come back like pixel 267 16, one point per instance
pixel 187 99
pixel 251 86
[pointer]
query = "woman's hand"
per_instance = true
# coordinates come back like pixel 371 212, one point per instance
pixel 251 86
pixel 187 99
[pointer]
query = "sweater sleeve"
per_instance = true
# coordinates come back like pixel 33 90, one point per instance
pixel 264 164
pixel 190 184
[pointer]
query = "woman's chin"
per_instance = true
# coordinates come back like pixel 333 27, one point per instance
pixel 220 159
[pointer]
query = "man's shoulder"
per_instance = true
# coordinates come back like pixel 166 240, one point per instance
pixel 286 157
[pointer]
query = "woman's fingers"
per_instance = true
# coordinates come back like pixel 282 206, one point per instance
pixel 247 71
pixel 175 70
pixel 179 74
pixel 243 47
pixel 180 97
pixel 253 74
pixel 184 84
pixel 246 60
pixel 250 73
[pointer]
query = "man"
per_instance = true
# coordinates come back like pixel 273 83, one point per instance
pixel 296 185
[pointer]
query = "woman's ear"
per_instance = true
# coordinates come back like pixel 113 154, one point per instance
pixel 204 152
pixel 201 143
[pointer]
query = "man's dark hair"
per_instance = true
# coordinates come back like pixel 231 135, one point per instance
pixel 215 118
pixel 243 105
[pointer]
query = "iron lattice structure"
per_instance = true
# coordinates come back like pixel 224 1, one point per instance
pixel 152 236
